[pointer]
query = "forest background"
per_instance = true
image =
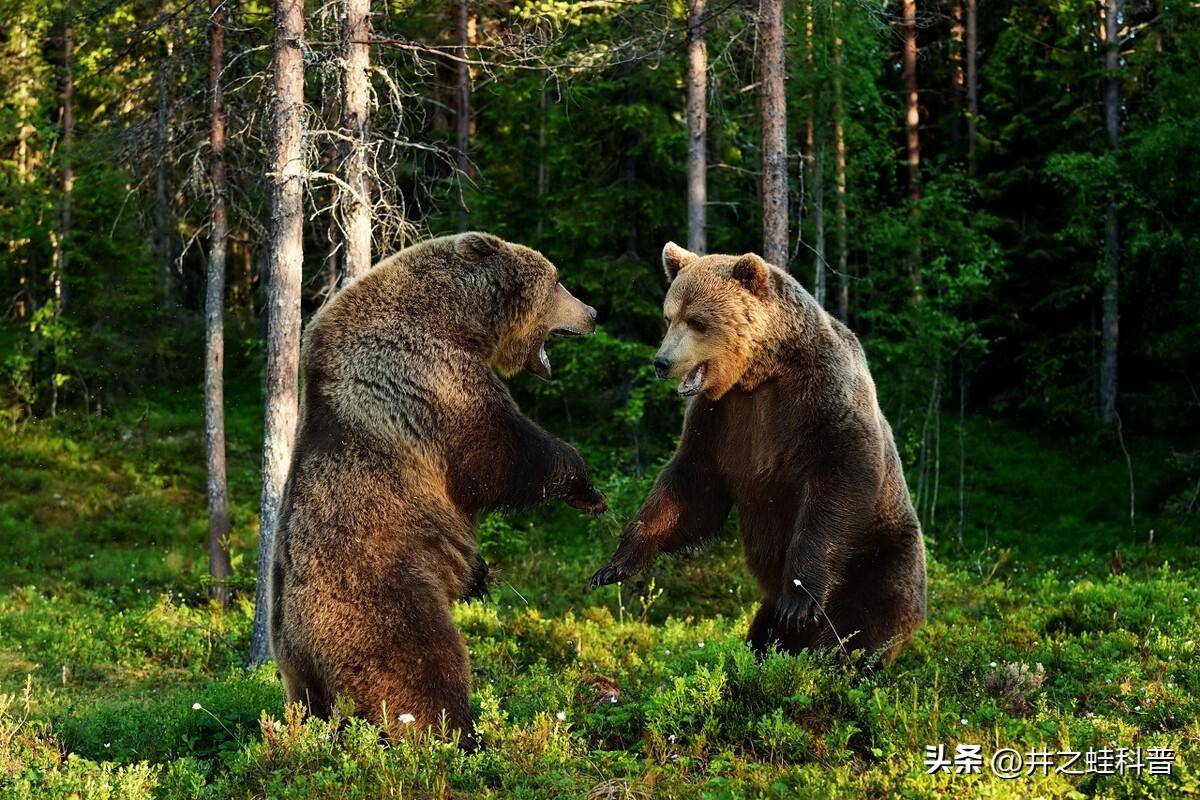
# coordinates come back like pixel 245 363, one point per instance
pixel 1001 199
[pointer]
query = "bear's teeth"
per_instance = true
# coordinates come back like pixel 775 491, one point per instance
pixel 692 381
pixel 544 359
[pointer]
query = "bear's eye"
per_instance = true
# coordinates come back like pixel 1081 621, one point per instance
pixel 698 325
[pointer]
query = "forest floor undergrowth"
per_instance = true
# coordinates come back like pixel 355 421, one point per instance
pixel 1054 626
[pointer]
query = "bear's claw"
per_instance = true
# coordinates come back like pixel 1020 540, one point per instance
pixel 608 574
pixel 796 611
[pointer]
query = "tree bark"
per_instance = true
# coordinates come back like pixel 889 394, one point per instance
pixel 972 87
pixel 62 256
pixel 839 165
pixel 355 201
pixel 543 176
pixel 812 157
pixel 29 272
pixel 697 122
pixel 1110 320
pixel 219 566
pixel 283 295
pixel 462 117
pixel 774 132
pixel 958 78
pixel 162 192
pixel 912 125
pixel 818 195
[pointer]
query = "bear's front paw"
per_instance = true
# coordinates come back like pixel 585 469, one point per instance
pixel 588 499
pixel 631 557
pixel 478 587
pixel 800 605
pixel 610 573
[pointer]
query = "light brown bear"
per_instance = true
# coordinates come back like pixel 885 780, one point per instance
pixel 783 424
pixel 406 434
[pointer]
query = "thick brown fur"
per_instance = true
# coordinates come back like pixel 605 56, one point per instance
pixel 785 425
pixel 405 436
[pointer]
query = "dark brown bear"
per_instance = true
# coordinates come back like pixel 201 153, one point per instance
pixel 784 425
pixel 405 436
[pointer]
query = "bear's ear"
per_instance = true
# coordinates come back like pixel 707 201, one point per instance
pixel 675 258
pixel 473 245
pixel 751 272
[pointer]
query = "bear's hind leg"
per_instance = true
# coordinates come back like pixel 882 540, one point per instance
pixel 410 669
pixel 766 632
pixel 312 694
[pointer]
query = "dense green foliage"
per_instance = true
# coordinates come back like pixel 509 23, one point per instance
pixel 107 627
pixel 578 147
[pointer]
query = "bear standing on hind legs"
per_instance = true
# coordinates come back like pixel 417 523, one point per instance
pixel 405 436
pixel 784 424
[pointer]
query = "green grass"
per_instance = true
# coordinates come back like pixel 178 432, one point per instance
pixel 108 645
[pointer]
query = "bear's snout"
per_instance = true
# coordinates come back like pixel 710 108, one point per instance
pixel 662 366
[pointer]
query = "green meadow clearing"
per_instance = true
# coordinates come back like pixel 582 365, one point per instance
pixel 1054 626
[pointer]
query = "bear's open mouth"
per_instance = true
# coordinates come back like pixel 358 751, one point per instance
pixel 538 362
pixel 693 381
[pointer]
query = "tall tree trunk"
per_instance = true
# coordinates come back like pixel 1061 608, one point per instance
pixel 972 86
pixel 355 201
pixel 61 255
pixel 283 295
pixel 697 122
pixel 818 195
pixel 462 117
pixel 839 165
pixel 774 132
pixel 29 272
pixel 219 567
pixel 812 157
pixel 162 192
pixel 912 126
pixel 543 176
pixel 958 78
pixel 24 129
pixel 1110 321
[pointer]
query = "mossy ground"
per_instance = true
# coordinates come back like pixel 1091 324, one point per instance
pixel 121 681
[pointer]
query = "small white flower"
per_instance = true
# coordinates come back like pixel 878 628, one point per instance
pixel 963 721
pixel 668 652
pixel 671 738
pixel 1137 708
pixel 992 665
pixel 795 581
pixel 701 644
pixel 195 706
pixel 946 659
pixel 407 719
pixel 562 716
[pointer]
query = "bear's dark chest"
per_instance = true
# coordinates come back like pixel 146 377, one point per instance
pixel 763 454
